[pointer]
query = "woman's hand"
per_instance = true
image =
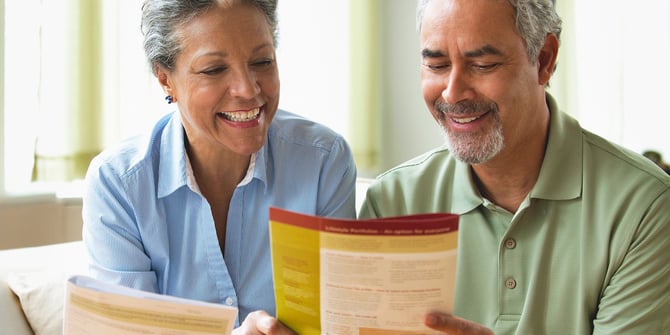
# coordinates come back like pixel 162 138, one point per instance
pixel 454 325
pixel 261 323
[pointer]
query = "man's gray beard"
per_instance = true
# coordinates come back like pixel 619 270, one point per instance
pixel 470 151
pixel 471 148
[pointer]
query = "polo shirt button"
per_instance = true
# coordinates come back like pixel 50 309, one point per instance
pixel 229 301
pixel 510 283
pixel 510 243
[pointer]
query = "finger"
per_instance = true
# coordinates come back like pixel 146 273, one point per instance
pixel 251 324
pixel 454 325
pixel 269 325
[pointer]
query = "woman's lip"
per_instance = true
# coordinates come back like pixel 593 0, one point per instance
pixel 242 123
pixel 242 115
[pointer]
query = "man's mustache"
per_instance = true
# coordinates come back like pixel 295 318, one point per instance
pixel 466 107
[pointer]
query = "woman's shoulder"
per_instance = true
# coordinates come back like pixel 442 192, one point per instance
pixel 294 128
pixel 135 150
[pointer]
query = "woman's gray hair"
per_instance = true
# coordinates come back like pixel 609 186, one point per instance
pixel 534 20
pixel 161 20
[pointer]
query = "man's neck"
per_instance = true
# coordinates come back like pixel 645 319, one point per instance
pixel 507 178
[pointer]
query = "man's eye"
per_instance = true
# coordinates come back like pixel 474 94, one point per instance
pixel 485 67
pixel 437 67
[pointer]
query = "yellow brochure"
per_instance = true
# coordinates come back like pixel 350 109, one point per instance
pixel 362 277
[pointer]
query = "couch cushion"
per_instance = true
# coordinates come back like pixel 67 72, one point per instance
pixel 41 294
pixel 37 274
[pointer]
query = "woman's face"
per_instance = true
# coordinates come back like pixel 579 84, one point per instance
pixel 225 80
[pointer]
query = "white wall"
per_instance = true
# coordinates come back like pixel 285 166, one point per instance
pixel 407 129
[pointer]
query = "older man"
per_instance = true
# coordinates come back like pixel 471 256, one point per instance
pixel 562 232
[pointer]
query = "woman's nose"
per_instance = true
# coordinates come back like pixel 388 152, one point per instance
pixel 244 84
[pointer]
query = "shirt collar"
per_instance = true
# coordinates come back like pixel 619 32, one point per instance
pixel 172 165
pixel 561 172
pixel 261 161
pixel 560 176
pixel 466 197
pixel 175 168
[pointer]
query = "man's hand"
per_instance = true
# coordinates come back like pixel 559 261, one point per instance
pixel 454 325
pixel 261 323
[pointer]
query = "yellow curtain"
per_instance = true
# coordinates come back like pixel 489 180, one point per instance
pixel 70 90
pixel 364 88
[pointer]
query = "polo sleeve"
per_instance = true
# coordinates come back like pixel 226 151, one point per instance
pixel 636 299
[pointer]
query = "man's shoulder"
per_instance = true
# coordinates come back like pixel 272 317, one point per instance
pixel 435 159
pixel 608 160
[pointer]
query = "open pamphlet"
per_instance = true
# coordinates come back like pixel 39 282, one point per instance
pixel 362 277
pixel 95 307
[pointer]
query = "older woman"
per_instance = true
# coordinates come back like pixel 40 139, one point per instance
pixel 184 210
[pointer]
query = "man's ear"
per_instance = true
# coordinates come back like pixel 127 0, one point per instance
pixel 546 60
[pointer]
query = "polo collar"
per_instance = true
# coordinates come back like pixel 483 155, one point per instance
pixel 561 173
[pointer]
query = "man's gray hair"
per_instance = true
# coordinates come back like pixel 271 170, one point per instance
pixel 534 20
pixel 162 19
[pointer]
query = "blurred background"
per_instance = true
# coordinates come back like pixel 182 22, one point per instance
pixel 74 81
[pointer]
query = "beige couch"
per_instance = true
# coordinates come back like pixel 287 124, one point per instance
pixel 38 275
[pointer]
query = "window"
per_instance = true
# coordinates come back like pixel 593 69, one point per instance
pixel 74 81
pixel 611 71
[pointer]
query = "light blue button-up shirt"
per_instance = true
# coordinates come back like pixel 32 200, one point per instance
pixel 147 226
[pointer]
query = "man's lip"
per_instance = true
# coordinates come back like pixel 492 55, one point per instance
pixel 463 119
pixel 466 122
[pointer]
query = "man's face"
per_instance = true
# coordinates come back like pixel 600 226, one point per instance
pixel 477 80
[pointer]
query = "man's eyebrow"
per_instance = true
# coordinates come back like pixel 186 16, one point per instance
pixel 485 50
pixel 427 53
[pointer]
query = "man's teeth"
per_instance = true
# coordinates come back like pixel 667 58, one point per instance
pixel 465 120
pixel 242 116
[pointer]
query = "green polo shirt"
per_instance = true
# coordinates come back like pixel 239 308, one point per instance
pixel 586 253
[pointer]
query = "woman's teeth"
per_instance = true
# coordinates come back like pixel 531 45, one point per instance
pixel 242 116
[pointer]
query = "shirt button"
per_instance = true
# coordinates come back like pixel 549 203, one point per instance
pixel 510 243
pixel 510 283
pixel 229 301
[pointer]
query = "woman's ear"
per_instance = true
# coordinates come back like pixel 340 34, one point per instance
pixel 164 79
pixel 547 59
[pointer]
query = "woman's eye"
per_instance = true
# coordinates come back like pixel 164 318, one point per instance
pixel 214 70
pixel 263 63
